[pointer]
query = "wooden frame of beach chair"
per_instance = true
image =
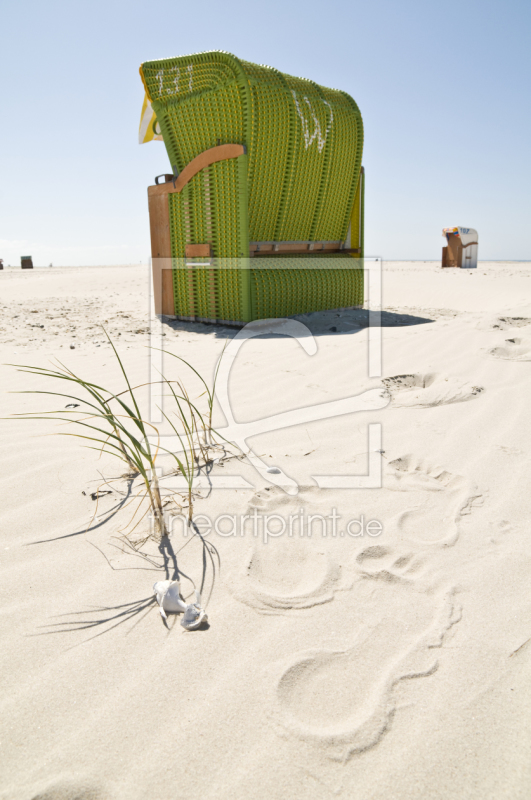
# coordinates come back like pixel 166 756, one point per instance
pixel 453 253
pixel 267 182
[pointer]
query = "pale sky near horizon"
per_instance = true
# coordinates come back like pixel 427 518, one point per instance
pixel 443 90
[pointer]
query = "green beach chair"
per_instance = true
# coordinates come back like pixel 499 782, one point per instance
pixel 262 214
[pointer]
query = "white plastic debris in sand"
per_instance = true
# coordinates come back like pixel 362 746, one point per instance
pixel 168 594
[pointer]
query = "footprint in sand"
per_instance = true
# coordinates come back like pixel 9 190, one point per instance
pixel 514 349
pixel 418 390
pixel 343 701
pixel 291 571
pixel 383 563
pixel 438 501
pixel 505 323
pixel 384 626
pixel 287 571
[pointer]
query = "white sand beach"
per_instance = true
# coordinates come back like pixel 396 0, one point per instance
pixel 394 665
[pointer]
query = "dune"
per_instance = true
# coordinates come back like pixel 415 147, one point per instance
pixel 367 641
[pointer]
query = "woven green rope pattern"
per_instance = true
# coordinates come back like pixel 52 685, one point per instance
pixel 304 141
pixel 304 144
pixel 291 290
pixel 362 214
pixel 208 211
pixel 272 111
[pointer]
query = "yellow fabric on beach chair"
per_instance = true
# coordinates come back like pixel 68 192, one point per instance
pixel 148 130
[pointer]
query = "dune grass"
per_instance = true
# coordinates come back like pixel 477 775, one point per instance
pixel 112 423
pixel 210 392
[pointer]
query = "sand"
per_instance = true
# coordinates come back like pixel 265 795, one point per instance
pixel 395 665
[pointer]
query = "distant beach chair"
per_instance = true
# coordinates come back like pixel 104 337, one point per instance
pixel 26 262
pixel 266 179
pixel 461 248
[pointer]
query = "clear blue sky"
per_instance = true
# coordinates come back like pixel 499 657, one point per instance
pixel 443 89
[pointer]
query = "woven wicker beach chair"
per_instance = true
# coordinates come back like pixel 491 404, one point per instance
pixel 262 214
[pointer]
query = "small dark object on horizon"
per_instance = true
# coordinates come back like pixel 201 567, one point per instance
pixel 26 262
